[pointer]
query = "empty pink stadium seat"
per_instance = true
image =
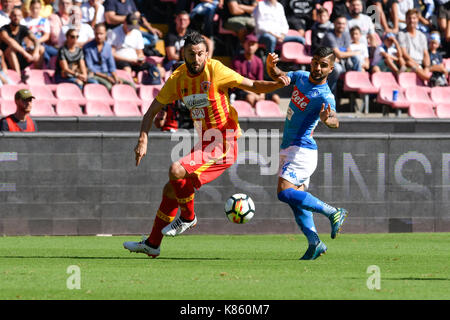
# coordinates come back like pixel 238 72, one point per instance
pixel 295 52
pixel 7 107
pixel 43 93
pixel 440 95
pixel 410 79
pixel 39 77
pixel 155 60
pixel 124 92
pixel 66 108
pixel 267 108
pixel 447 63
pixel 148 92
pixel 384 79
pixel 14 76
pixel 418 95
pixel 421 110
pixel 70 91
pixel 244 109
pixel 308 39
pixel 385 97
pixel 355 81
pixel 126 109
pixel 443 110
pixel 97 92
pixel 42 108
pixel 98 108
pixel 124 75
pixel 8 91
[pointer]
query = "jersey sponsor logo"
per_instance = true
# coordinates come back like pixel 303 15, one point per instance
pixel 199 100
pixel 197 113
pixel 299 99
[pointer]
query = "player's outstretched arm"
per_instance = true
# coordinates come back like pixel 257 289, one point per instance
pixel 329 117
pixel 271 65
pixel 141 148
pixel 262 86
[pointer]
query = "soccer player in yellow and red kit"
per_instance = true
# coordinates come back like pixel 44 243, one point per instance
pixel 202 84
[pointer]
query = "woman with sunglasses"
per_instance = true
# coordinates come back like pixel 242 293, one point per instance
pixel 70 66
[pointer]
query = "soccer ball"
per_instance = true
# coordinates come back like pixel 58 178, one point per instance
pixel 239 208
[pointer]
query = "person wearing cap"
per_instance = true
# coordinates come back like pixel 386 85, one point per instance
pixel 439 74
pixel 128 46
pixel 20 121
pixel 251 66
pixel 388 56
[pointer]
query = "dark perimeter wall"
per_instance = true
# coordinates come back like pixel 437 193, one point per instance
pixel 87 183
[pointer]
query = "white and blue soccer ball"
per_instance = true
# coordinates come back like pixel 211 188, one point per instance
pixel 239 208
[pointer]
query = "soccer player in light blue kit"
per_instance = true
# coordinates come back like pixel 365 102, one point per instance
pixel 311 101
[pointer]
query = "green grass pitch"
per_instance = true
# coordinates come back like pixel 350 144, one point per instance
pixel 222 267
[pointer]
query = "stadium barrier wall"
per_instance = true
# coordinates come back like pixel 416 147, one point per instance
pixel 87 183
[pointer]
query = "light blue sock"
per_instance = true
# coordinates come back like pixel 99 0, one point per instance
pixel 305 200
pixel 305 221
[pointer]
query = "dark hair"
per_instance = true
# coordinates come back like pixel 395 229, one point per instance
pixel 182 12
pixel 35 1
pixel 322 10
pixel 339 17
pixel 100 24
pixel 411 11
pixel 323 52
pixel 193 38
pixel 355 28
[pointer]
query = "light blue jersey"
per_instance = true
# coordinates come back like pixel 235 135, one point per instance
pixel 304 109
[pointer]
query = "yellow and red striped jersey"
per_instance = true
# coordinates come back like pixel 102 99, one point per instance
pixel 205 95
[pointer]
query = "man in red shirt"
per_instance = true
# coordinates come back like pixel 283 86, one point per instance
pixel 20 121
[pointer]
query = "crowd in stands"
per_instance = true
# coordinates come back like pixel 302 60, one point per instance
pixel 88 41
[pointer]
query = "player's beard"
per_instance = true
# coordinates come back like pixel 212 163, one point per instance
pixel 319 78
pixel 195 70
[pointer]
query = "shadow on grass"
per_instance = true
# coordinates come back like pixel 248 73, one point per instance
pixel 138 258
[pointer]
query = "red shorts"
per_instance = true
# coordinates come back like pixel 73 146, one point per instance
pixel 210 157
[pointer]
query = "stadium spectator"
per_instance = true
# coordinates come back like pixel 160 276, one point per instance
pixel 238 17
pixel 339 41
pixel 439 74
pixel 46 8
pixel 58 20
pixel 70 65
pixel 40 27
pixel 93 12
pixel 388 56
pixel 320 28
pixel 403 7
pixel 271 25
pixel 128 47
pixel 357 46
pixel 387 16
pixel 100 61
pixel 4 78
pixel 167 118
pixel 116 12
pixel 414 46
pixel 363 21
pixel 251 66
pixel 340 8
pixel 85 31
pixel 444 21
pixel 12 36
pixel 20 121
pixel 425 16
pixel 174 40
pixel 204 10
pixel 300 15
pixel 7 7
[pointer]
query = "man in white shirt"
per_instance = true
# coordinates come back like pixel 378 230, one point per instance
pixel 271 25
pixel 7 6
pixel 364 22
pixel 93 12
pixel 85 31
